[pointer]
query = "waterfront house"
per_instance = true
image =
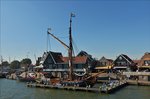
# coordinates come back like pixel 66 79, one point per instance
pixel 91 61
pixel 56 64
pixel 144 62
pixel 143 70
pixel 104 64
pixel 144 66
pixel 124 63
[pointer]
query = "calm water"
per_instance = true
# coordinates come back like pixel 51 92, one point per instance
pixel 11 89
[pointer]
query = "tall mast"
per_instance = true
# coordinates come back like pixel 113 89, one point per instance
pixel 1 59
pixel 70 49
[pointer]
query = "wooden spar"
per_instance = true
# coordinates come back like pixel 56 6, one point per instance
pixel 70 50
pixel 65 45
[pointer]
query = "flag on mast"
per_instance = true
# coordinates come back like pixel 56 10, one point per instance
pixel 72 15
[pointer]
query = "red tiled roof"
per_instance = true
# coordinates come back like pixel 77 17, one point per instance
pixel 78 59
pixel 137 62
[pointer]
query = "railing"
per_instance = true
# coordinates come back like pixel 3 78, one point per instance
pixel 137 73
pixel 63 70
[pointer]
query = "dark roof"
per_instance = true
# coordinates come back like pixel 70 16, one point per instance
pixel 83 53
pixel 102 58
pixel 127 58
pixel 110 60
pixel 58 58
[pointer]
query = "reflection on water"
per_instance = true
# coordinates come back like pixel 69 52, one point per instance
pixel 11 89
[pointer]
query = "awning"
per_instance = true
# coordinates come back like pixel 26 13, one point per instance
pixel 104 67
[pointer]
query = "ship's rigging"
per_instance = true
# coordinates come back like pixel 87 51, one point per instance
pixel 68 47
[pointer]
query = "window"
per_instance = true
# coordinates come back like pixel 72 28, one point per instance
pixel 79 66
pixel 147 62
pixel 59 66
pixel 120 58
pixel 121 63
pixel 103 63
pixel 65 66
pixel 50 66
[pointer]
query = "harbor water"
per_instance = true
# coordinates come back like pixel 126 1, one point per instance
pixel 12 89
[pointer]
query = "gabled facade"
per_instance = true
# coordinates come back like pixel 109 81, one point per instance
pixel 145 60
pixel 91 61
pixel 104 62
pixel 123 62
pixel 55 63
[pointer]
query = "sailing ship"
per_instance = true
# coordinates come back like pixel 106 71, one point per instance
pixel 73 79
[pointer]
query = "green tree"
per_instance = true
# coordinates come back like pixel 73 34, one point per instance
pixel 5 63
pixel 25 63
pixel 15 64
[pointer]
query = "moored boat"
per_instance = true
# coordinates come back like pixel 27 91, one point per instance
pixel 71 78
pixel 2 75
pixel 27 77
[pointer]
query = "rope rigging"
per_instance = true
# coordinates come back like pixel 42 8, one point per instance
pixel 48 44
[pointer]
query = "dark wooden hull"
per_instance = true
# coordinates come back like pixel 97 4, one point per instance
pixel 103 78
pixel 22 79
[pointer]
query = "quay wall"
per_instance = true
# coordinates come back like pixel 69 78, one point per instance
pixel 138 82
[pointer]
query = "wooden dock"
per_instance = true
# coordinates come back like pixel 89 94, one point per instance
pixel 107 89
pixel 75 88
pixel 113 87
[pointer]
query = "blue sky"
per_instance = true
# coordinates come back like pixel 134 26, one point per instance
pixel 101 27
